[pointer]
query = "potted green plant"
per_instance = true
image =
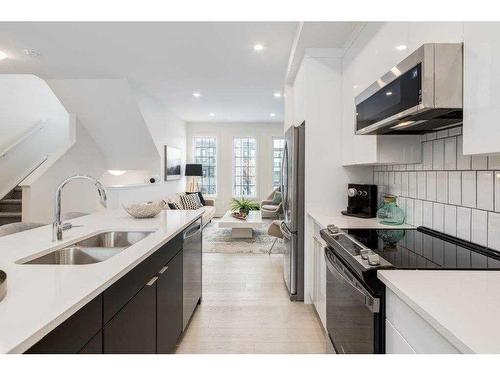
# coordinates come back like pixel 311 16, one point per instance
pixel 244 205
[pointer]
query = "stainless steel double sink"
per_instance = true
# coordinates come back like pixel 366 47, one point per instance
pixel 94 249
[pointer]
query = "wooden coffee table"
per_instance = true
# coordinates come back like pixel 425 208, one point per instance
pixel 241 228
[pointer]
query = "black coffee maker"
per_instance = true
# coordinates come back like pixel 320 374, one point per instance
pixel 361 200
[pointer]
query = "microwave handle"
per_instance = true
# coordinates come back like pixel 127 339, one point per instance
pixel 372 303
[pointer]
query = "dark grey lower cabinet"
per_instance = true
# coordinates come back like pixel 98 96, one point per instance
pixel 169 305
pixel 94 346
pixel 133 329
pixel 140 313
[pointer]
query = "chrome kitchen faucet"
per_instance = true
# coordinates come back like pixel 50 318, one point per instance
pixel 57 225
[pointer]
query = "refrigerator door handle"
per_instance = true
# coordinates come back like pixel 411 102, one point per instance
pixel 284 172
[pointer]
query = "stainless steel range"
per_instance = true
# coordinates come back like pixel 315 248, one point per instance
pixel 355 298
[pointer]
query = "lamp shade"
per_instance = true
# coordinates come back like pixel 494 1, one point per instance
pixel 193 170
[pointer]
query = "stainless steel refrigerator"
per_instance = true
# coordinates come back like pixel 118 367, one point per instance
pixel 292 226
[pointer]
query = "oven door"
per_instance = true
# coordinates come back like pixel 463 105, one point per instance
pixel 353 316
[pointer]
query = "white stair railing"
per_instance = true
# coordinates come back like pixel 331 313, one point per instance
pixel 22 138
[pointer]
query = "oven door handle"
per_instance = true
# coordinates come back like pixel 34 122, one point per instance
pixel 371 303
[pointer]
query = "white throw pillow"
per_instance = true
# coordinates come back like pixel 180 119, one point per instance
pixel 191 201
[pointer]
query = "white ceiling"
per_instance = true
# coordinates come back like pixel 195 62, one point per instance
pixel 167 60
pixel 170 60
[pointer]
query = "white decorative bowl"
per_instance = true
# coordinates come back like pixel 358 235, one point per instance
pixel 145 210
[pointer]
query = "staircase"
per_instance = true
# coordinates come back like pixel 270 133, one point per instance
pixel 11 207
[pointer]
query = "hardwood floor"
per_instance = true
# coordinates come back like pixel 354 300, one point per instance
pixel 246 309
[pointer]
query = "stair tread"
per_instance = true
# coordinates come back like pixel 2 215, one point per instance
pixel 11 201
pixel 10 214
pixel 17 188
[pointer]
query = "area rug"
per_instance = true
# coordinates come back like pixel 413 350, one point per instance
pixel 219 240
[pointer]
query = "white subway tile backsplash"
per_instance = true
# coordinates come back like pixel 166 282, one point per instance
pixel 410 211
pixel 428 214
pixel 442 134
pixel 494 230
pixel 421 185
pixel 438 217
pixel 450 220
pixel 431 136
pixel 404 184
pixel 455 131
pixel 455 188
pixel 463 161
pixel 438 155
pixel 497 191
pixel 449 192
pixel 463 223
pixel 450 153
pixel 479 228
pixel 494 162
pixel 469 189
pixel 412 184
pixel 431 186
pixel 427 156
pixel 479 162
pixel 418 210
pixel 485 190
pixel 442 187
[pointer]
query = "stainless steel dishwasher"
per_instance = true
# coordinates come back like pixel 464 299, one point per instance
pixel 191 269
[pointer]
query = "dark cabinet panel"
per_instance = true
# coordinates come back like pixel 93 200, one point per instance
pixel 94 346
pixel 72 335
pixel 133 329
pixel 169 305
pixel 122 291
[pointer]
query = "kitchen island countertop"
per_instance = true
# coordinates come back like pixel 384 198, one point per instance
pixel 40 297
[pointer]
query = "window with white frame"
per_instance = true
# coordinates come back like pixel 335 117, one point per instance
pixel 244 167
pixel 278 145
pixel 205 153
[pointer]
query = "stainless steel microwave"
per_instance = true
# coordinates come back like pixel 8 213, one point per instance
pixel 422 93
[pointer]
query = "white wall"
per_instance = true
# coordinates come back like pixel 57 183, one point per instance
pixel 108 109
pixel 225 132
pixel 84 157
pixel 27 102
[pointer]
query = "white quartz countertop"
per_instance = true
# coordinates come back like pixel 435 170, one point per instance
pixel 40 297
pixel 349 222
pixel 463 306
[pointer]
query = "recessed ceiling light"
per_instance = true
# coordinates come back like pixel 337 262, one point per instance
pixel 272 114
pixel 258 47
pixel 277 94
pixel 116 172
pixel 196 94
pixel 388 93
pixel 211 114
pixel 355 86
pixel 401 47
pixel 3 55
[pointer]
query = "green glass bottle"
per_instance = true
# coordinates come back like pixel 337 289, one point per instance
pixel 390 213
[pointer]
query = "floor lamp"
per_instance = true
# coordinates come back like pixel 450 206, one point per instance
pixel 193 171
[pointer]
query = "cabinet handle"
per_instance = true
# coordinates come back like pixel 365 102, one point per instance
pixel 162 271
pixel 152 281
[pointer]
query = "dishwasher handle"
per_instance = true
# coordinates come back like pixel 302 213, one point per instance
pixel 193 230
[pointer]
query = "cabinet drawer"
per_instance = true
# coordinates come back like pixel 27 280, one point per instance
pixel 76 331
pixel 122 291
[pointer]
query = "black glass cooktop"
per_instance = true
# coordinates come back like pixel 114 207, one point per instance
pixel 423 248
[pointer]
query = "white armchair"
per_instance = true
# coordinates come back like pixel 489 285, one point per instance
pixel 269 209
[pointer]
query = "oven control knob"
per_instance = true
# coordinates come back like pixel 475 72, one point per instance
pixel 373 260
pixel 352 192
pixel 333 229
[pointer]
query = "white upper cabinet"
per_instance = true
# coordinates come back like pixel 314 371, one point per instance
pixel 376 49
pixel 481 82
